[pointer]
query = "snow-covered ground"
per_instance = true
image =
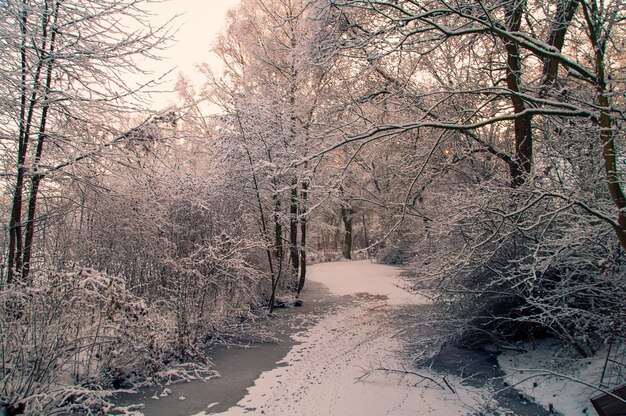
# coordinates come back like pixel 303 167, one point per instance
pixel 555 377
pixel 342 340
pixel 364 277
pixel 325 373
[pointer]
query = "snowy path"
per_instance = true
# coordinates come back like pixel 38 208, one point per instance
pixel 322 375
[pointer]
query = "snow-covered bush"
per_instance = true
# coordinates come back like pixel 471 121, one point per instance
pixel 215 286
pixel 69 333
pixel 523 266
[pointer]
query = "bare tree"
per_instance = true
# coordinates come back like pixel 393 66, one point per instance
pixel 531 51
pixel 270 92
pixel 66 68
pixel 513 106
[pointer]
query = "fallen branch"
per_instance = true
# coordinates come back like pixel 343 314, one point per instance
pixel 404 372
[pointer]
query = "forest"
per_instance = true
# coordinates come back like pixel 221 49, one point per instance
pixel 479 143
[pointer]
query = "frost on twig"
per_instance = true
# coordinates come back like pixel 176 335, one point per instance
pixel 404 373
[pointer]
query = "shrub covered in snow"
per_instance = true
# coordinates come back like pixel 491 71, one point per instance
pixel 526 266
pixel 69 333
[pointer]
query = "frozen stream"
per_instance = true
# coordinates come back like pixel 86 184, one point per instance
pixel 350 323
pixel 238 366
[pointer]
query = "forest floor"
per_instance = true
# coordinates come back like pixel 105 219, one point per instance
pixel 333 357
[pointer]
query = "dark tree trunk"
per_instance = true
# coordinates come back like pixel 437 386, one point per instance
pixel 20 251
pixel 15 229
pixel 346 215
pixel 15 222
pixel 365 236
pixel 303 229
pixel 523 124
pixel 30 226
pixel 274 277
pixel 564 14
pixel 606 123
pixel 294 255
pixel 38 177
pixel 278 228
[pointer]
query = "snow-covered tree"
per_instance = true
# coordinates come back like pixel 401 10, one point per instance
pixel 516 107
pixel 271 92
pixel 65 70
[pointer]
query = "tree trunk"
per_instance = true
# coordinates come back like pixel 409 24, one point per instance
pixel 278 228
pixel 36 176
pixel 20 251
pixel 293 227
pixel 607 135
pixel 30 227
pixel 274 278
pixel 15 223
pixel 346 215
pixel 303 229
pixel 365 236
pixel 523 124
pixel 15 229
pixel 564 14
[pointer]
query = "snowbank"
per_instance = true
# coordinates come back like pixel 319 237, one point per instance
pixel 535 374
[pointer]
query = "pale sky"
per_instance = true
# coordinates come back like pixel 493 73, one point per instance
pixel 200 22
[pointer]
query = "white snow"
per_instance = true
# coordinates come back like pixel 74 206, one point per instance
pixel 364 276
pixel 534 373
pixel 324 373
